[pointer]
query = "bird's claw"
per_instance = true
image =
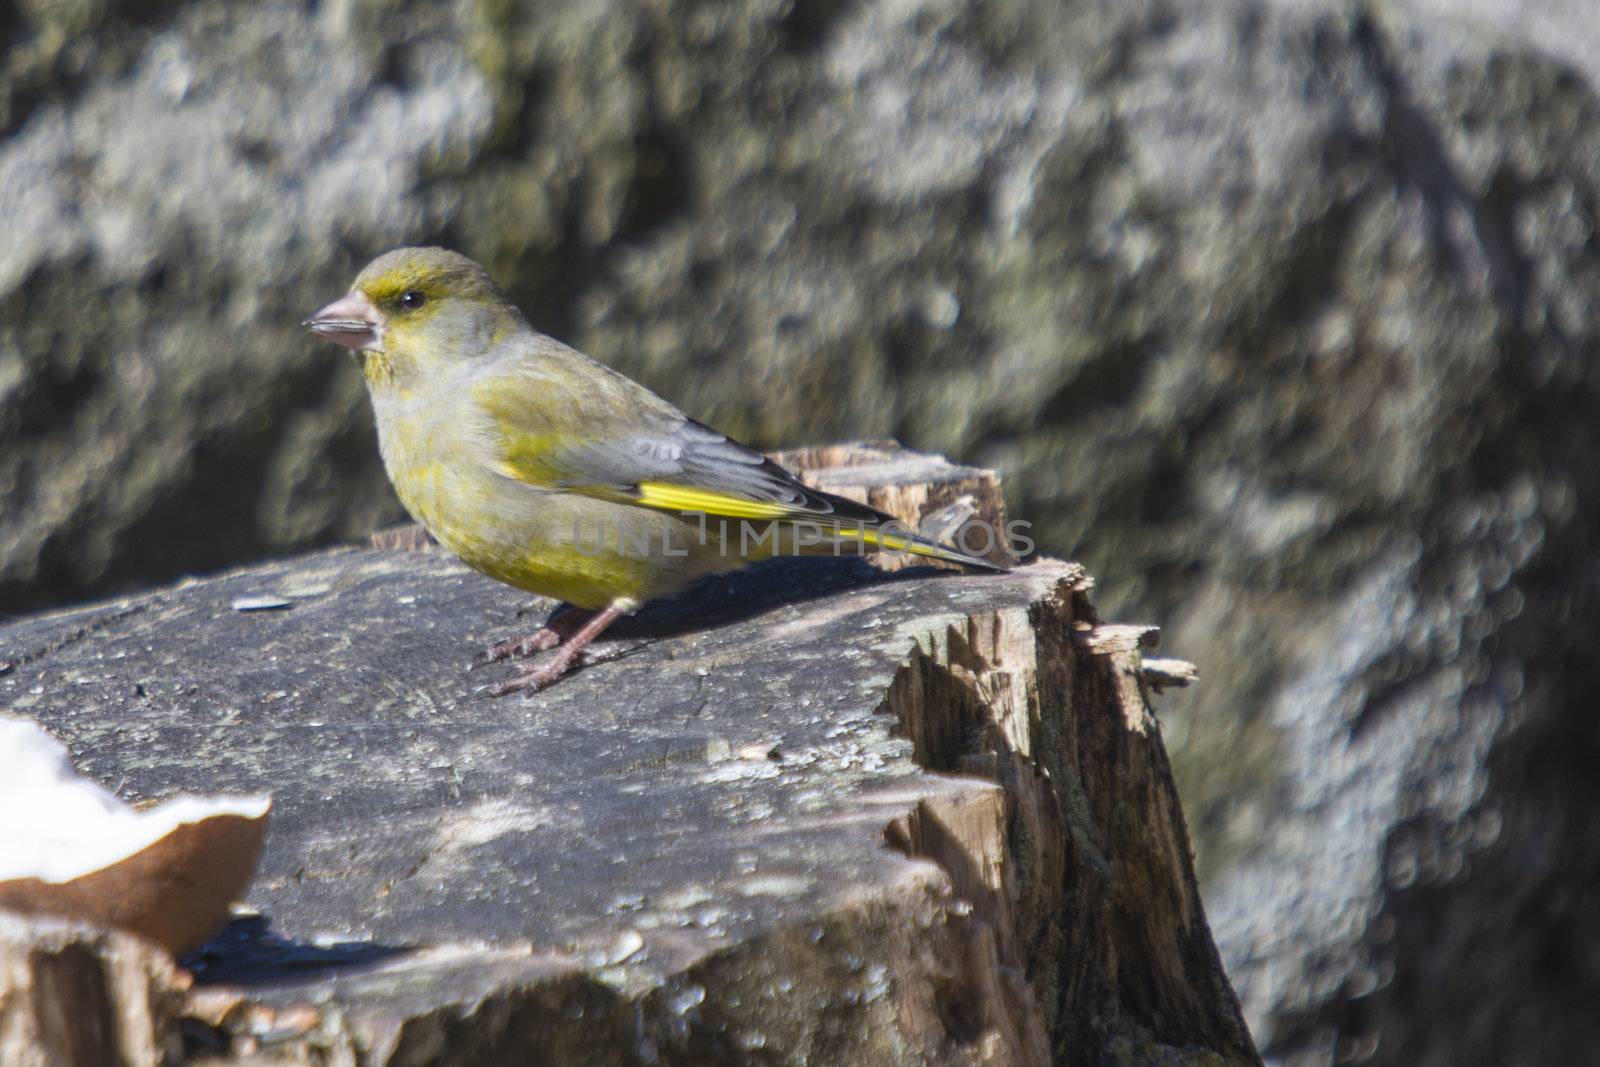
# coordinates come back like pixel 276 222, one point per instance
pixel 541 640
pixel 532 679
pixel 564 625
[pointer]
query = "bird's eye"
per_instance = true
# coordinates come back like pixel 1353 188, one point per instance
pixel 412 299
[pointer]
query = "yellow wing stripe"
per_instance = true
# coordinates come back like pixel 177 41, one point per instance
pixel 670 497
pixel 884 540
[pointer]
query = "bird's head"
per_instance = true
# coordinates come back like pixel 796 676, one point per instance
pixel 417 311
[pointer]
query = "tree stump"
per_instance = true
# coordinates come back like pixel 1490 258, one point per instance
pixel 72 995
pixel 812 812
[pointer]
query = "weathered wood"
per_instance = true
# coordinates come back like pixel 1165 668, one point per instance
pixel 1164 673
pixel 813 813
pixel 75 996
pixel 926 493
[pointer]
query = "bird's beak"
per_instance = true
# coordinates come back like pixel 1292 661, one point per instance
pixel 351 321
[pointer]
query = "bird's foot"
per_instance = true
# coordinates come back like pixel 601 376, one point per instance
pixel 543 639
pixel 522 647
pixel 533 677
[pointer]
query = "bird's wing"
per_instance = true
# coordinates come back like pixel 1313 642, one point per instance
pixel 594 432
pixel 556 419
pixel 686 467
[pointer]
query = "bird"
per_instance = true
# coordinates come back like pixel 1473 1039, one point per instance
pixel 555 474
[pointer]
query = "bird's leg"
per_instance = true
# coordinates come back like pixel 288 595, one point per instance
pixel 555 630
pixel 535 678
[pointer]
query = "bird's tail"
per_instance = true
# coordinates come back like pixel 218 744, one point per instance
pixel 916 545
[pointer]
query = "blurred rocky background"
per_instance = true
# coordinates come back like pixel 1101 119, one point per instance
pixel 1281 316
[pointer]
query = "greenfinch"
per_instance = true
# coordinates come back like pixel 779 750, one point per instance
pixel 557 475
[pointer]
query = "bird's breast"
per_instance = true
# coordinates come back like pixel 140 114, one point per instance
pixel 426 460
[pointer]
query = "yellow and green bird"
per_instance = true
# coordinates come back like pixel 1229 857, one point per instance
pixel 555 474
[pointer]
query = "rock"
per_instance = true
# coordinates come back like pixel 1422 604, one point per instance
pixel 1276 314
pixel 814 812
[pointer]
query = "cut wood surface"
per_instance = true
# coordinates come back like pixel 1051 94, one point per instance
pixel 812 812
